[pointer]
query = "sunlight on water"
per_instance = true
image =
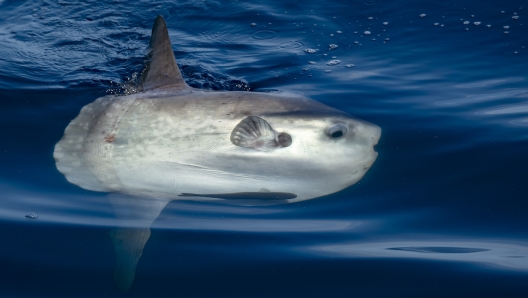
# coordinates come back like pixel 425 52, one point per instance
pixel 521 108
pixel 521 122
pixel 489 83
pixel 478 98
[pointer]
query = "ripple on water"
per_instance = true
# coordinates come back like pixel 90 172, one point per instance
pixel 292 44
pixel 200 77
pixel 496 104
pixel 511 109
pixel 483 97
pixel 372 2
pixel 520 122
pixel 264 34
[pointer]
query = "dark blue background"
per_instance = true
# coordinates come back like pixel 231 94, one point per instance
pixel 442 212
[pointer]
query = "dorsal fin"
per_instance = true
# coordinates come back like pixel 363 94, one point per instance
pixel 161 70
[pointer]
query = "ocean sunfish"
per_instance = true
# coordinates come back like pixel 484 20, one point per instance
pixel 173 142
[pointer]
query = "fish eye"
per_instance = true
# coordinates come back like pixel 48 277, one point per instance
pixel 285 139
pixel 337 131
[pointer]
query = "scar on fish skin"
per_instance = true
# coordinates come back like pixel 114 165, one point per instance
pixel 109 138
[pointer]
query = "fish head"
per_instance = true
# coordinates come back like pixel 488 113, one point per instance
pixel 311 152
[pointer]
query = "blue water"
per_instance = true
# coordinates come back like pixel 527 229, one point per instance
pixel 442 212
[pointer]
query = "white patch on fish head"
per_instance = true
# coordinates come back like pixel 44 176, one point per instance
pixel 328 152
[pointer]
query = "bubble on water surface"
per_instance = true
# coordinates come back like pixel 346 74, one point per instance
pixel 367 33
pixel 506 27
pixel 339 32
pixel 332 46
pixel 253 24
pixel 349 65
pixel 310 51
pixel 476 23
pixel 423 15
pixel 31 215
pixel 333 62
pixel 385 23
pixel 515 17
pixel 466 22
pixel 328 70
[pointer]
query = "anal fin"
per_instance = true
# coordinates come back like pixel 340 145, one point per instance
pixel 128 247
pixel 136 215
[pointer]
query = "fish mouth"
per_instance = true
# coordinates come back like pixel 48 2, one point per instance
pixel 376 136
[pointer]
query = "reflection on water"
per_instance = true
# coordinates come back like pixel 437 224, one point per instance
pixel 439 249
pixel 96 211
pixel 264 225
pixel 497 253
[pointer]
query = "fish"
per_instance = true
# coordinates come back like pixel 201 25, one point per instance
pixel 173 142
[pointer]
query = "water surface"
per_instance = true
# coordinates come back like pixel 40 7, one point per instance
pixel 442 212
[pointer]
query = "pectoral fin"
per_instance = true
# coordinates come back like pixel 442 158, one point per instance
pixel 256 133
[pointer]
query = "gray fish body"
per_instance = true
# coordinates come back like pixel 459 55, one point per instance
pixel 173 142
pixel 162 144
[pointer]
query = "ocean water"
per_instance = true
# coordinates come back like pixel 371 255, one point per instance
pixel 442 212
